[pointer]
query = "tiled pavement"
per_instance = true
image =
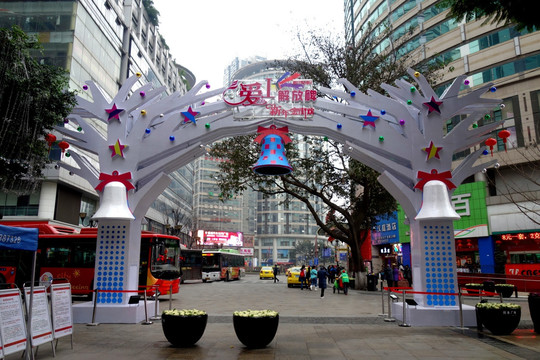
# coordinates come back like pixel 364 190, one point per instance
pixel 335 327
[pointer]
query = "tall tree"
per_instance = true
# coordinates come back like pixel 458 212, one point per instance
pixel 517 12
pixel 33 98
pixel 348 189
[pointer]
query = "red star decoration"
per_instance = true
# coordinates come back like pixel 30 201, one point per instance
pixel 433 105
pixel 190 115
pixel 114 113
pixel 117 149
pixel 432 151
pixel 369 119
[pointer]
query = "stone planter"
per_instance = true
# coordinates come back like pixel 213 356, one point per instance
pixel 183 331
pixel 505 291
pixel 255 332
pixel 473 288
pixel 502 321
pixel 534 308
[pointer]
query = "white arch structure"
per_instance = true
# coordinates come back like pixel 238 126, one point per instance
pixel 400 135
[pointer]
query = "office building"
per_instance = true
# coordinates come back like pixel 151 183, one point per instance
pixel 106 42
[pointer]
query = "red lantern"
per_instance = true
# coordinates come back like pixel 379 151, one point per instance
pixel 50 139
pixel 504 134
pixel 63 145
pixel 491 142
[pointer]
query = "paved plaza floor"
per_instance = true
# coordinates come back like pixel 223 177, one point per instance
pixel 311 327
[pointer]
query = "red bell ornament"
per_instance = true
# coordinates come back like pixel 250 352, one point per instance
pixel 491 142
pixel 504 134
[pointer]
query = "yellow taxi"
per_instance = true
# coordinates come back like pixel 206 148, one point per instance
pixel 266 273
pixel 293 276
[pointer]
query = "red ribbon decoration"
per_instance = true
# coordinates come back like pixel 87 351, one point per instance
pixel 425 177
pixel 123 178
pixel 273 130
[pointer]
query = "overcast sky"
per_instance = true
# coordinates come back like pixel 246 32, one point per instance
pixel 205 36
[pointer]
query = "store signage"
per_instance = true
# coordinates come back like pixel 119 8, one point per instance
pixel 225 238
pixel 469 201
pixel 521 236
pixel 385 230
pixel 246 251
pixel 289 97
pixel 522 269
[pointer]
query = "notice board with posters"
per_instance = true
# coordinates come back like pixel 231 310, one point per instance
pixel 62 313
pixel 12 325
pixel 41 327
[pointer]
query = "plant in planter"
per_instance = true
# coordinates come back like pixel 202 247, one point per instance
pixel 499 318
pixel 505 290
pixel 534 308
pixel 255 328
pixel 183 328
pixel 475 287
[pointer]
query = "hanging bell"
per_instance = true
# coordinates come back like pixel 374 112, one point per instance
pixel 436 203
pixel 114 203
pixel 272 160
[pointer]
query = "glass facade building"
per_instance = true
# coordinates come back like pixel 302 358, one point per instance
pixel 106 42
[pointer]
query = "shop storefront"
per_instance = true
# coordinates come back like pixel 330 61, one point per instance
pixel 385 239
pixel 474 245
pixel 522 252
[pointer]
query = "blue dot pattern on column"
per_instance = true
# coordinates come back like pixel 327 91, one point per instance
pixel 111 253
pixel 439 264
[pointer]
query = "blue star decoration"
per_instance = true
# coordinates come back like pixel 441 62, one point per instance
pixel 433 105
pixel 190 115
pixel 369 119
pixel 114 113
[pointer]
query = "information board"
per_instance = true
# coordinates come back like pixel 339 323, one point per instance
pixel 12 326
pixel 41 328
pixel 62 315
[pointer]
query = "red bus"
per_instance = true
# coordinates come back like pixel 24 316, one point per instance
pixel 223 264
pixel 64 253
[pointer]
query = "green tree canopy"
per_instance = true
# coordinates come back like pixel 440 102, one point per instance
pixel 519 12
pixel 33 98
pixel 325 173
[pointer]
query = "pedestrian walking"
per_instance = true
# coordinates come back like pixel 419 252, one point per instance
pixel 407 274
pixel 389 275
pixel 313 277
pixel 276 270
pixel 322 274
pixel 302 276
pixel 331 274
pixel 395 273
pixel 345 279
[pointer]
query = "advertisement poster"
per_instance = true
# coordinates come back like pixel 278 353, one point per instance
pixel 12 326
pixel 62 318
pixel 41 330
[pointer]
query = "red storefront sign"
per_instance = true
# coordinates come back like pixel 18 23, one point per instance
pixel 522 269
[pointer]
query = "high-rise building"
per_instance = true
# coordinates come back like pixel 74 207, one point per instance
pixel 237 64
pixel 106 42
pixel 485 53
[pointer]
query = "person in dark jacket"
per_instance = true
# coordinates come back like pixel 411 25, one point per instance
pixel 276 270
pixel 322 275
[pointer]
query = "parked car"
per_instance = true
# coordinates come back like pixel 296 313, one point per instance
pixel 266 273
pixel 293 276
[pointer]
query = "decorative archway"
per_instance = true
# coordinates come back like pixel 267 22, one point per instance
pixel 400 135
